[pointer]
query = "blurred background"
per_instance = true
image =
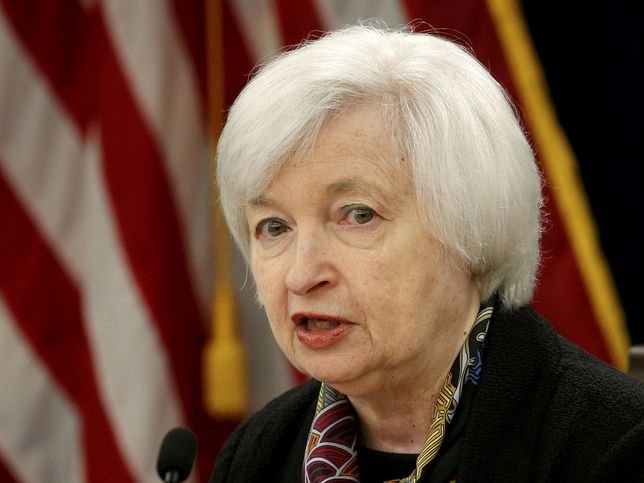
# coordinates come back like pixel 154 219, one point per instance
pixel 109 111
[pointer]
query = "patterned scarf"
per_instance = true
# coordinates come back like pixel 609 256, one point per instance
pixel 331 451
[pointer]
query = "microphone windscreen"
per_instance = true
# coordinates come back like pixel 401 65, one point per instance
pixel 177 453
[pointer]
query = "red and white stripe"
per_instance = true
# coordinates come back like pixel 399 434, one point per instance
pixel 41 409
pixel 106 255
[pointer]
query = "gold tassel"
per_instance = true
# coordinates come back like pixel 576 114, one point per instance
pixel 224 362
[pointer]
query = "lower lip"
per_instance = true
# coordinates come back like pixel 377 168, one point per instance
pixel 321 338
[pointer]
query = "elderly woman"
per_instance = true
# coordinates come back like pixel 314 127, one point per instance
pixel 388 203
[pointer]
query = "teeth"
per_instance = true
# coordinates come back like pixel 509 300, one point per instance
pixel 312 324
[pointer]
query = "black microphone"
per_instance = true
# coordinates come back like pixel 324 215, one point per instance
pixel 176 455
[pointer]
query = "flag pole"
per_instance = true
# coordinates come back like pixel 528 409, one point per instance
pixel 225 385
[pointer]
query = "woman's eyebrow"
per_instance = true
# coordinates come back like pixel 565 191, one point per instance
pixel 261 200
pixel 355 185
pixel 350 185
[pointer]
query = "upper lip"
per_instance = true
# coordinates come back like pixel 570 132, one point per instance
pixel 299 317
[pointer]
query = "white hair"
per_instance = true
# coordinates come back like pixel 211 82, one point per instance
pixel 476 181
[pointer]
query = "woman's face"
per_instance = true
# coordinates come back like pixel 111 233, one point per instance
pixel 357 292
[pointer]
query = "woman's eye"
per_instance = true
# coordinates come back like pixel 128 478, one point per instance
pixel 359 215
pixel 271 228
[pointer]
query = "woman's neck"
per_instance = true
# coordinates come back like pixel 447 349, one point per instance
pixel 395 424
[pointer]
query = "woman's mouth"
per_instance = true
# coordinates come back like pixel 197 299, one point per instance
pixel 317 332
pixel 313 324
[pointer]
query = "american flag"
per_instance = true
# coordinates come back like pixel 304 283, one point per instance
pixel 106 255
pixel 106 258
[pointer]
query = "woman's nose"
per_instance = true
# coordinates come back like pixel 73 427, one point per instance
pixel 311 267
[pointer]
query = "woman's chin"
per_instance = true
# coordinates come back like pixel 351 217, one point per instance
pixel 339 364
pixel 334 371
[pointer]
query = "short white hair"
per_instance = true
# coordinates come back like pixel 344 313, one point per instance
pixel 476 181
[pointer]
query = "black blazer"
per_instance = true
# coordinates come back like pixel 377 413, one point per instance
pixel 544 411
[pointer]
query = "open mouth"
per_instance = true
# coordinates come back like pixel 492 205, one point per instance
pixel 313 321
pixel 318 331
pixel 319 324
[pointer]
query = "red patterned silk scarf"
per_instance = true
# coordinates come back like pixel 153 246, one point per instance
pixel 331 452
